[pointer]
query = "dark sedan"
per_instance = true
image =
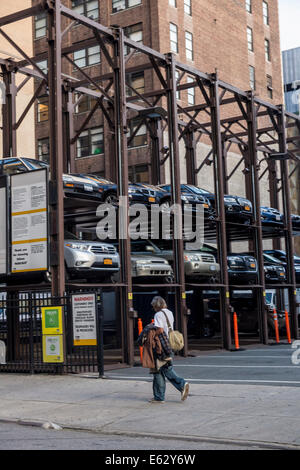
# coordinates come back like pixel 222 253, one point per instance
pixel 271 217
pixel 242 267
pixel 296 222
pixel 73 185
pixel 274 269
pixel 187 197
pixel 237 208
pixel 137 192
pixel 280 255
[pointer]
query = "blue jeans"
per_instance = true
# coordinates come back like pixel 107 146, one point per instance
pixel 159 381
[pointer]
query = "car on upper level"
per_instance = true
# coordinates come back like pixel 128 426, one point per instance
pixel 74 186
pixel 274 270
pixel 187 197
pixel 296 222
pixel 138 193
pixel 271 217
pixel 238 209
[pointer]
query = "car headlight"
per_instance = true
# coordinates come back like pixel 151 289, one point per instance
pixel 244 202
pixel 229 199
pixel 191 258
pixel 67 179
pixel 77 246
pixel 142 261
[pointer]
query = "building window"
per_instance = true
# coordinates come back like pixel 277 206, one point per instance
pixel 189 46
pixel 249 6
pixel 118 5
pixel 43 65
pixel 138 174
pixel 44 150
pixel 252 77
pixel 267 50
pixel 270 86
pixel 43 109
pixel 191 92
pixel 174 37
pixel 173 3
pixel 90 142
pixel 188 7
pixel 87 57
pixel 89 8
pixel 40 26
pixel 135 33
pixel 250 39
pixel 266 13
pixel 84 103
pixel 140 135
pixel 136 81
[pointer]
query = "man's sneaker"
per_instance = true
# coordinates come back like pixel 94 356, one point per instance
pixel 185 391
pixel 156 401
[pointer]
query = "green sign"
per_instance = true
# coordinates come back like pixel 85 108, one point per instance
pixel 52 320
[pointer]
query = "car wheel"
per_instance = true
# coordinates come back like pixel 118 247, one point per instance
pixel 111 198
pixel 165 205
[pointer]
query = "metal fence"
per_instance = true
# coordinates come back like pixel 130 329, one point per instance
pixel 21 336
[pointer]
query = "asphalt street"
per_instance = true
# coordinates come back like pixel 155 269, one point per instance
pixel 270 365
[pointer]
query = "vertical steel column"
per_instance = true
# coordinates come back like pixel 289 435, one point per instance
pixel 286 200
pixel 68 130
pixel 181 310
pixel 255 192
pixel 121 156
pixel 274 200
pixel 190 156
pixel 9 135
pixel 219 179
pixel 157 144
pixel 56 151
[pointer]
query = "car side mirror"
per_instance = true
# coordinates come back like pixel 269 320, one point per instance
pixel 150 248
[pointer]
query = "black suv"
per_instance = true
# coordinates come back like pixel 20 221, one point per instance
pixel 237 209
pixel 280 255
pixel 242 268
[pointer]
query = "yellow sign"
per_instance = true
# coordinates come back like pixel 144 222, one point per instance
pixel 53 350
pixel 52 323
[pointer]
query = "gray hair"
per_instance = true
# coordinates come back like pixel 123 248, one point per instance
pixel 158 303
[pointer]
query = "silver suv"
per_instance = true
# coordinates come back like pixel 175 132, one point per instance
pixel 86 259
pixel 196 263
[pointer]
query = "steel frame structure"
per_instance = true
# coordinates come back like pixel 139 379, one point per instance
pixel 224 115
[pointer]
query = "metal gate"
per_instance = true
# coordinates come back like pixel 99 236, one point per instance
pixel 21 338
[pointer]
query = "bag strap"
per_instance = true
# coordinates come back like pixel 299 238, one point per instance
pixel 168 323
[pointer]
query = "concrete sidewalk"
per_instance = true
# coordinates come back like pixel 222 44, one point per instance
pixel 264 416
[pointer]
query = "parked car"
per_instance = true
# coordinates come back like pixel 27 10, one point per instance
pixel 145 267
pixel 73 185
pixel 242 267
pixel 281 256
pixel 137 192
pixel 237 208
pixel 274 270
pixel 296 222
pixel 196 263
pixel 89 259
pixel 187 197
pixel 271 217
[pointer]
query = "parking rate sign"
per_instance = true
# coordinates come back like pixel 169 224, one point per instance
pixel 84 319
pixel 29 222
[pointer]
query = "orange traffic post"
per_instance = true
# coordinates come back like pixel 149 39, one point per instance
pixel 140 329
pixel 288 330
pixel 236 331
pixel 275 317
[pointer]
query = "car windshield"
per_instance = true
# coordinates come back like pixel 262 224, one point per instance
pixel 35 164
pixel 11 166
pixel 195 190
pixel 70 236
pixel 271 259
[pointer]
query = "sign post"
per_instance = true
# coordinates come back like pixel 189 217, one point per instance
pixel 52 329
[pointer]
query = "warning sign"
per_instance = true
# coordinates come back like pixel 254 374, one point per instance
pixel 84 319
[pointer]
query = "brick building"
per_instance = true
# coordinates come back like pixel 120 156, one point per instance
pixel 238 38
